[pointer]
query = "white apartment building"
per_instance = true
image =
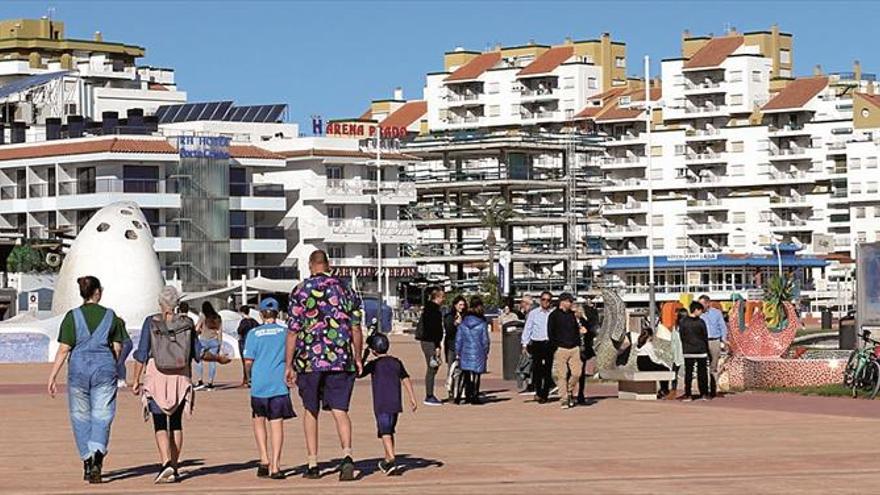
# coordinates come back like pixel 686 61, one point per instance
pixel 336 186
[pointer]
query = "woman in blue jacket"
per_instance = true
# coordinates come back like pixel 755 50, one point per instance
pixel 472 349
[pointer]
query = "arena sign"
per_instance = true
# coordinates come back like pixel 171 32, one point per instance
pixel 362 130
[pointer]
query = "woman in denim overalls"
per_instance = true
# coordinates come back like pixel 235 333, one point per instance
pixel 91 382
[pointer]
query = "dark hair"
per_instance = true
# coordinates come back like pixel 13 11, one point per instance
pixel 378 343
pixel 565 296
pixel 88 285
pixel 459 299
pixel 183 308
pixel 475 307
pixel 695 306
pixel 704 296
pixel 681 313
pixel 209 311
pixel 547 293
pixel 433 291
pixel 245 309
pixel 319 257
pixel 269 313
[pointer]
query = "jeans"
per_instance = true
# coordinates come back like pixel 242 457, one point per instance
pixel 213 347
pixel 567 362
pixel 702 375
pixel 91 414
pixel 542 356
pixel 120 363
pixel 429 350
pixel 714 356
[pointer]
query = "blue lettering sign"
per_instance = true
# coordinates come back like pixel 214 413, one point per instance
pixel 212 147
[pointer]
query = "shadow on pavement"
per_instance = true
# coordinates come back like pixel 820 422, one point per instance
pixel 146 470
pixel 221 469
pixel 368 467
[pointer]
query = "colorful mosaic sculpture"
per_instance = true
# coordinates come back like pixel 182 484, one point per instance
pixel 750 334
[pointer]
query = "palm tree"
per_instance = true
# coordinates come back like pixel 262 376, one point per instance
pixel 493 213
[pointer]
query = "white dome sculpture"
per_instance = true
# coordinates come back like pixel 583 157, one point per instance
pixel 116 245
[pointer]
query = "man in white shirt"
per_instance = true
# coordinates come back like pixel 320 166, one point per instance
pixel 536 342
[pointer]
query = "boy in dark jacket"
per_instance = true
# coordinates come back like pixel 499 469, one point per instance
pixel 695 346
pixel 387 374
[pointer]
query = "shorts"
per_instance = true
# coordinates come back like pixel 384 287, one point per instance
pixel 332 389
pixel 165 422
pixel 386 424
pixel 272 408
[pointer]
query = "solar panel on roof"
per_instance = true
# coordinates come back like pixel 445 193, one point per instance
pixel 221 110
pixel 251 114
pixel 160 112
pixel 170 114
pixel 180 114
pixel 196 112
pixel 262 113
pixel 275 113
pixel 236 113
pixel 209 110
pixel 28 82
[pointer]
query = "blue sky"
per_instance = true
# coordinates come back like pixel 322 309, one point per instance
pixel 332 57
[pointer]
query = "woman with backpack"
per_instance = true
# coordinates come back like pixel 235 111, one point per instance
pixel 210 331
pixel 168 345
pixel 472 349
pixel 92 337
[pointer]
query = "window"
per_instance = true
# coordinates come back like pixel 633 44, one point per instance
pixel 336 252
pixel 860 212
pixel 738 170
pixel 871 162
pixel 335 212
pixel 515 109
pixel 624 100
pixel 784 56
pixel 856 187
pixel 681 243
pixel 877 211
pixel 736 76
pixel 656 150
pixel 871 188
pixel 736 99
pixel 656 174
pixel 238 224
pixel 587 59
pixel 492 88
pixel 679 149
pixel 855 163
pixel 334 172
pixel 494 110
pixel 739 241
pixel 568 82
pixel 784 72
pixel 739 217
pixel 736 146
pixel 657 220
pixel 592 83
pixel 756 76
pixel 620 62
pixel 658 243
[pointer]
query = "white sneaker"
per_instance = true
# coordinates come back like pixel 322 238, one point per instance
pixel 121 383
pixel 554 391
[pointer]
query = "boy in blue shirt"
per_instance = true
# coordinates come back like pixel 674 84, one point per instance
pixel 387 374
pixel 270 397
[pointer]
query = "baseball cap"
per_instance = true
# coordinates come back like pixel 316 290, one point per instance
pixel 269 304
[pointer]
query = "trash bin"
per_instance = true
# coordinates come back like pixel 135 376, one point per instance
pixel 826 319
pixel 847 333
pixel 511 348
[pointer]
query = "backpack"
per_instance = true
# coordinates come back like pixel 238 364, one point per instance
pixel 171 344
pixel 420 327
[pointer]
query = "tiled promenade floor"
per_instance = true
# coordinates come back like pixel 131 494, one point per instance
pixel 743 444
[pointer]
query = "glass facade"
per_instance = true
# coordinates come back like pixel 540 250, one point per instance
pixel 202 177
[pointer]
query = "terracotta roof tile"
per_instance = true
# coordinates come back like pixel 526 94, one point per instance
pixel 611 108
pixel 406 115
pixel 157 87
pixel 872 99
pixel 472 70
pixel 61 148
pixel 547 61
pixel 320 153
pixel 367 115
pixel 606 98
pixel 251 151
pixel 713 53
pixel 797 93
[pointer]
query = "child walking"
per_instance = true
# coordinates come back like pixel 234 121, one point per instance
pixel 270 397
pixel 387 374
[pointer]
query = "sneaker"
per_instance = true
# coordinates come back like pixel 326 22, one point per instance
pixel 166 474
pixel 262 470
pixel 87 468
pixel 564 404
pixel 121 383
pixel 346 469
pixel 432 401
pixel 554 391
pixel 277 475
pixel 312 473
pixel 527 392
pixel 571 403
pixel 209 387
pixel 386 466
pixel 199 386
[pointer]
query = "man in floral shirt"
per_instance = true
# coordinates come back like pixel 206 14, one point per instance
pixel 324 349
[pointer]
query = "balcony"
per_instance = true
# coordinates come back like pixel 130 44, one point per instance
pixel 789 154
pixel 626 139
pixel 539 115
pixel 789 202
pixel 702 88
pixel 787 131
pixel 624 231
pixel 796 176
pixel 397 192
pixel 790 225
pixel 268 271
pixel 632 207
pixel 704 135
pixel 709 109
pixel 457 97
pixel 704 158
pixel 527 94
pixel 705 205
pixel 455 120
pixel 267 239
pixel 619 162
pixel 257 197
pixel 625 185
pixel 837 148
pixel 707 228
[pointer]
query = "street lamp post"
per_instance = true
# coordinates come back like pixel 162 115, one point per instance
pixel 379 285
pixel 652 310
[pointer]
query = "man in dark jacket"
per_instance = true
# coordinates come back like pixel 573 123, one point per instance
pixel 429 333
pixel 564 332
pixel 695 346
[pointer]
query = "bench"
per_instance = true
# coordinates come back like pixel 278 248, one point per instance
pixel 636 385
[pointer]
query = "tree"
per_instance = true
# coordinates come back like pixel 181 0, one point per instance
pixel 493 213
pixel 25 259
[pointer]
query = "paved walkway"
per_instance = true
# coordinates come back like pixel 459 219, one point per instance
pixel 744 444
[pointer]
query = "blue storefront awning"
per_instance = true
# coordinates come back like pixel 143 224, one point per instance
pixel 722 261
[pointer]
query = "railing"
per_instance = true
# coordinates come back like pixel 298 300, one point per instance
pixel 537 92
pixel 788 151
pixel 245 189
pixel 787 199
pixel 696 203
pixel 788 223
pixel 626 183
pixel 702 132
pixel 463 97
pixel 690 85
pixel 268 271
pixel 691 157
pixel 697 226
pixel 537 115
pixel 617 160
pixel 624 206
pixel 624 229
pixel 463 120
pixel 113 185
pixel 704 109
pixel 787 175
pixel 786 128
pixel 483 173
pixel 837 146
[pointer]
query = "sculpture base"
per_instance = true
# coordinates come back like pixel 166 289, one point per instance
pixel 746 373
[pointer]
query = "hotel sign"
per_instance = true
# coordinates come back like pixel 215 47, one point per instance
pixel 214 147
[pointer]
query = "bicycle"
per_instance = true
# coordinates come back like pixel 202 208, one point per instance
pixel 862 370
